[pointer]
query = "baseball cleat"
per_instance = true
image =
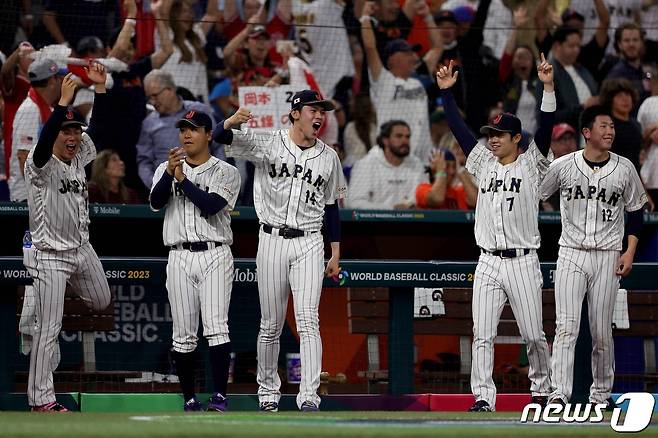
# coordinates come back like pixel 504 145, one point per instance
pixel 193 405
pixel 50 407
pixel 480 406
pixel 541 400
pixel 309 406
pixel 217 403
pixel 269 407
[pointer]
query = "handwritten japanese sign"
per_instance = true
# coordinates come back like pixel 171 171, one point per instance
pixel 269 106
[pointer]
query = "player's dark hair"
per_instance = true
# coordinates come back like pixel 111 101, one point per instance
pixel 562 32
pixel 590 114
pixel 387 128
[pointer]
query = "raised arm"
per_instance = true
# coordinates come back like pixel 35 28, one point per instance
pixel 234 44
pixel 541 12
pixel 161 11
pixel 601 33
pixel 445 79
pixel 375 65
pixel 43 151
pixel 505 67
pixel 10 66
pixel 548 107
pixel 102 113
pixel 210 17
pixel 49 19
pixel 122 43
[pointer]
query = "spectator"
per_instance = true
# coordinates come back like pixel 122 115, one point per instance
pixel 392 21
pixel 274 15
pixel 648 118
pixel 220 100
pixel 620 97
pixel 215 42
pixel 394 92
pixel 450 187
pixel 620 11
pixel 106 185
pixel 438 125
pixel 323 44
pixel 159 132
pixel 247 57
pixel 127 98
pixel 361 132
pixel 477 86
pixel 387 177
pixel 592 53
pixel 68 21
pixel 575 88
pixel 650 24
pixel 14 87
pixel 518 75
pixel 563 142
pixel 90 47
pixel 45 84
pixel 187 64
pixel 629 42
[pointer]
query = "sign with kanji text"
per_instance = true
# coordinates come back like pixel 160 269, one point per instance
pixel 269 106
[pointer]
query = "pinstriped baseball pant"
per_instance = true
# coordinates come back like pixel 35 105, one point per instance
pixel 199 283
pixel 284 265
pixel 51 270
pixel 583 273
pixel 517 280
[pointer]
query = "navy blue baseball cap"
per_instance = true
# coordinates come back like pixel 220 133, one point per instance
pixel 73 118
pixel 197 119
pixel 504 122
pixel 310 97
pixel 399 45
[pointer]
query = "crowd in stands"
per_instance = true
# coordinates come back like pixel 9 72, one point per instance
pixel 375 58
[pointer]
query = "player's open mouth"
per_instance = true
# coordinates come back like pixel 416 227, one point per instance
pixel 317 125
pixel 70 147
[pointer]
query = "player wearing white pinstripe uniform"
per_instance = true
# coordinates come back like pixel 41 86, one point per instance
pixel 59 219
pixel 199 191
pixel 596 188
pixel 507 232
pixel 298 182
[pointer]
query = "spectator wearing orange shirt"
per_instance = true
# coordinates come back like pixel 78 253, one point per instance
pixel 450 187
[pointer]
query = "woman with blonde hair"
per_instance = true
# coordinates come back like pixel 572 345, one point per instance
pixel 106 185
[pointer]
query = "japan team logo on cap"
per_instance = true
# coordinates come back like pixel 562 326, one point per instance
pixel 190 114
pixel 497 119
pixel 69 115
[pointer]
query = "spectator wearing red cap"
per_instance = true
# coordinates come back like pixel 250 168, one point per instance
pixel 563 140
pixel 247 57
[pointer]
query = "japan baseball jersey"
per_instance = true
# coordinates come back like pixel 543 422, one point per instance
pixel 291 188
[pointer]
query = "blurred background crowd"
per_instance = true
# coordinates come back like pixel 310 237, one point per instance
pixel 375 59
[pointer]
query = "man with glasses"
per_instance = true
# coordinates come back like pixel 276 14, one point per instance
pixel 159 130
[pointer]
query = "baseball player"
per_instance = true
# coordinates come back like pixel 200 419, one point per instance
pixel 59 223
pixel 596 188
pixel 298 182
pixel 507 233
pixel 199 191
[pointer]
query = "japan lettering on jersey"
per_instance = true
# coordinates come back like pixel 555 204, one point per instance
pixel 58 200
pixel 291 185
pixel 592 202
pixel 508 198
pixel 183 220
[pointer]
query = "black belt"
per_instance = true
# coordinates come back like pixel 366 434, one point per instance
pixel 287 233
pixel 196 246
pixel 507 253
